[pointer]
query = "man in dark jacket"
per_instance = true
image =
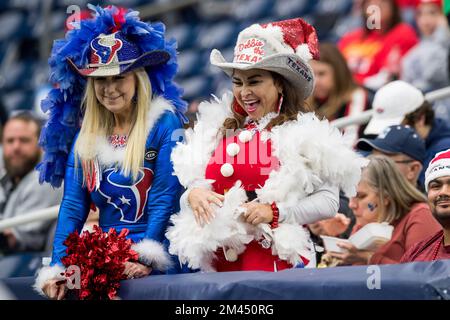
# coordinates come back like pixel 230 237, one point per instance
pixel 435 132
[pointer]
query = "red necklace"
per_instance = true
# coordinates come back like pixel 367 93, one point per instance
pixel 436 248
pixel 118 140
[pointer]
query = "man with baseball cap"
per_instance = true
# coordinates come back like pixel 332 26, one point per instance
pixel 403 145
pixel 400 103
pixel 437 184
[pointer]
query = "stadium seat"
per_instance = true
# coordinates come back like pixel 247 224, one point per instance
pixel 292 8
pixel 11 25
pixel 196 87
pixel 216 35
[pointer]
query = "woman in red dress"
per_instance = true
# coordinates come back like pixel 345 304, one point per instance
pixel 257 166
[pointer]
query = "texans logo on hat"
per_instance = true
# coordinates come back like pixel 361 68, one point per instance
pixel 112 54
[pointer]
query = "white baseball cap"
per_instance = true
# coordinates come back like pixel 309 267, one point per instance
pixel 391 103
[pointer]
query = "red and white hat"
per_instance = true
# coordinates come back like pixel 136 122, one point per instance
pixel 284 47
pixel 436 2
pixel 438 167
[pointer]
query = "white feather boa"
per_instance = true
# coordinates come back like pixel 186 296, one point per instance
pixel 318 154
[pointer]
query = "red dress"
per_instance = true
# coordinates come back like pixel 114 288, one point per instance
pixel 252 165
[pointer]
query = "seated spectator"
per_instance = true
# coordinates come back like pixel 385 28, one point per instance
pixel 20 191
pixel 425 65
pixel 400 103
pixel 384 195
pixel 403 145
pixel 374 51
pixel 335 92
pixel 437 183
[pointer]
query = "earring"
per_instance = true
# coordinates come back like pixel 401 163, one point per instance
pixel 280 102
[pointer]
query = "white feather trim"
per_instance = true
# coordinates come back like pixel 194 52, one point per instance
pixel 319 154
pixel 153 254
pixel 190 158
pixel 303 52
pixel 196 245
pixel 290 241
pixel 47 273
pixel 108 156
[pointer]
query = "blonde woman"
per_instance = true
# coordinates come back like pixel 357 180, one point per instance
pixel 120 159
pixel 384 195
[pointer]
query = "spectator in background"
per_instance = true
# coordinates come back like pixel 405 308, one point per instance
pixel 403 145
pixel 374 51
pixel 384 195
pixel 400 103
pixel 437 184
pixel 335 93
pixel 20 191
pixel 425 65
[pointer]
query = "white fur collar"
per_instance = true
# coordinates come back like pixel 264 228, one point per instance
pixel 311 152
pixel 108 156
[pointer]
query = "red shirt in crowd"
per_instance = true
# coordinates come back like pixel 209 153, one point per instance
pixel 429 249
pixel 415 226
pixel 368 53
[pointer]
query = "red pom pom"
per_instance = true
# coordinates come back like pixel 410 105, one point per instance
pixel 101 258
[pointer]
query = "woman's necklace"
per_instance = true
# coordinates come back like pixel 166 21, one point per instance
pixel 119 140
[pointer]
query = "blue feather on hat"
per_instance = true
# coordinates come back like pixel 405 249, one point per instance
pixel 63 103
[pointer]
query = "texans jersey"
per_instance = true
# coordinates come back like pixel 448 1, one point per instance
pixel 143 206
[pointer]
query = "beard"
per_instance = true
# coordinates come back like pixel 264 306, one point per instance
pixel 442 215
pixel 20 170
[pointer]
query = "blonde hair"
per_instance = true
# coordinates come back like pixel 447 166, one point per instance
pixel 99 121
pixel 383 176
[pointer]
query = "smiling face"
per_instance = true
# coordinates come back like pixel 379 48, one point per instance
pixel 256 92
pixel 439 199
pixel 116 93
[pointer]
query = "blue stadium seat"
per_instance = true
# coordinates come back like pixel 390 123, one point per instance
pixel 196 87
pixel 252 10
pixel 184 34
pixel 190 63
pixel 217 35
pixel 12 25
pixel 339 7
pixel 13 100
pixel 292 8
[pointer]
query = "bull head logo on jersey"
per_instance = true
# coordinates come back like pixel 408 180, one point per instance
pixel 129 199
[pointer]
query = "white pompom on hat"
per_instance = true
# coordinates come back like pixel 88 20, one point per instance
pixel 438 167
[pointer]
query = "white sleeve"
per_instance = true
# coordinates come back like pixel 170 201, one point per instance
pixel 319 205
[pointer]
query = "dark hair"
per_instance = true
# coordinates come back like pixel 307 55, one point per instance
pixel 27 116
pixel 395 19
pixel 293 103
pixel 426 110
pixel 344 85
